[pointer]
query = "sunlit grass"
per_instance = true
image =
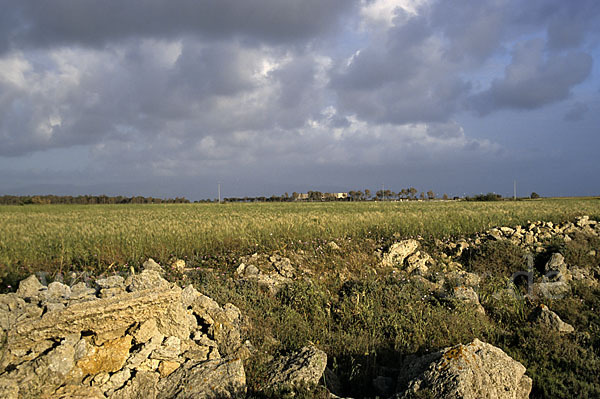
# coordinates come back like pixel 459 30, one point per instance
pixel 66 236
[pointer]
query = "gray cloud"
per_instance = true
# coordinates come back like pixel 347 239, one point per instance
pixel 155 91
pixel 96 23
pixel 534 78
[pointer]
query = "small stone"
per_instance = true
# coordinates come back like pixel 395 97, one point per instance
pixel 142 386
pixel 333 246
pixel 166 368
pixel 30 287
pixel 149 365
pixel 117 380
pixel 111 282
pixel 53 307
pixel 60 360
pixel 548 318
pixel 150 264
pixel 57 292
pixel 178 265
pixel 148 279
pixel 146 331
pixel 170 350
pixel 496 234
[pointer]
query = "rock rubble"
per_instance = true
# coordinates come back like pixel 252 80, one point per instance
pixel 139 337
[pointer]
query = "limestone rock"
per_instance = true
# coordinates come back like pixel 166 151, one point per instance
pixel 556 265
pixel 148 279
pixel 109 357
pixel 223 378
pixel 167 367
pixel 56 292
pixel 81 292
pixel 151 265
pixel 467 295
pixel 283 266
pixel 9 388
pixel 146 331
pixel 76 392
pixel 399 251
pixel 104 315
pixel 305 366
pixel 548 318
pixel 178 265
pixel 117 381
pixel 418 263
pixel 550 290
pixel 143 386
pixel 30 287
pixel 458 278
pixel 472 371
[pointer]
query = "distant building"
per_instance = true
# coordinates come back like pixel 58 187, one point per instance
pixel 324 196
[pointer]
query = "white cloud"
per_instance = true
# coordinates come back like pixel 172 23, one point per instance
pixel 381 13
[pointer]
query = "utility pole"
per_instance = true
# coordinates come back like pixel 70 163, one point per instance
pixel 219 191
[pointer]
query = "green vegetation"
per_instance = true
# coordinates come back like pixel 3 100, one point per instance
pixel 367 318
pixel 71 237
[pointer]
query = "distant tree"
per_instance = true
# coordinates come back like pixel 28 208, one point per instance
pixel 387 194
pixel 379 194
pixel 315 195
pixel 445 196
pixel 430 195
pixel 485 197
pixel 412 192
pixel 367 193
pixel 422 195
pixel 534 195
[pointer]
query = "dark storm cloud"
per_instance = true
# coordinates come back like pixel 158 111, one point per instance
pixel 534 78
pixel 419 70
pixel 156 90
pixel 95 23
pixel 403 79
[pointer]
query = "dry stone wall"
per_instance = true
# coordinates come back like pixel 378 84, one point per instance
pixel 137 338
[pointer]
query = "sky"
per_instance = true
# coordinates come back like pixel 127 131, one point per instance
pixel 171 98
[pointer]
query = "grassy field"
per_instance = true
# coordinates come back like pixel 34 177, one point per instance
pixel 67 237
pixel 367 318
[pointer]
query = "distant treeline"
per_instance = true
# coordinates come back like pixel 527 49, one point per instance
pixel 86 200
pixel 409 194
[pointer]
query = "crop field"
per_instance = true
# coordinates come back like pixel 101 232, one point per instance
pixel 67 237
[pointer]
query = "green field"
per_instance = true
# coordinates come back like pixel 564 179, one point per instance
pixel 365 316
pixel 67 237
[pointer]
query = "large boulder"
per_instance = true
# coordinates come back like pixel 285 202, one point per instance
pixel 474 371
pixel 304 367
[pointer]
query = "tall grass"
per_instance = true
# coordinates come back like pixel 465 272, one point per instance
pixel 68 236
